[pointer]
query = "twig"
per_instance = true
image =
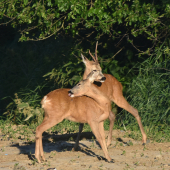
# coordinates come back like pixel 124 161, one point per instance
pixel 107 60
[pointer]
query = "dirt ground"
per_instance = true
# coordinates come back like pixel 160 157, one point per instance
pixel 127 154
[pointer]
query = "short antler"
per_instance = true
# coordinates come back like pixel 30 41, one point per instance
pixel 92 56
pixel 96 51
pixel 95 58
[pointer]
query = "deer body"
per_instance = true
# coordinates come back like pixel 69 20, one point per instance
pixel 59 106
pixel 73 109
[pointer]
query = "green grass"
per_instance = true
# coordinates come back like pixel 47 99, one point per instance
pixel 149 92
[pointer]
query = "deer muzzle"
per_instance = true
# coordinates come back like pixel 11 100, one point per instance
pixel 103 79
pixel 70 93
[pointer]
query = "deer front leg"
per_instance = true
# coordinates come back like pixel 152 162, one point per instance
pixel 112 117
pixel 78 137
pixel 101 130
pixel 98 131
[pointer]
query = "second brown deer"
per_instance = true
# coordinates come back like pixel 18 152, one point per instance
pixel 112 88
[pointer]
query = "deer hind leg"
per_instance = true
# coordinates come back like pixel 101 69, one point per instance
pixel 46 124
pixel 78 137
pixel 98 131
pixel 121 102
pixel 112 117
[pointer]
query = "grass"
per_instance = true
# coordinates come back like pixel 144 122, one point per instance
pixel 149 92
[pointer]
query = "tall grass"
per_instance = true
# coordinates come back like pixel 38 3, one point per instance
pixel 149 92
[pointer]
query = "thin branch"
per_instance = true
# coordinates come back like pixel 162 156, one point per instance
pixel 8 21
pixel 107 60
pixel 121 39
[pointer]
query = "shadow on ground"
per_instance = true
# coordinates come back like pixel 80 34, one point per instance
pixel 60 143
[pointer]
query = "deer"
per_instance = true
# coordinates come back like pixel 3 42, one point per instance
pixel 112 88
pixel 58 105
pixel 85 87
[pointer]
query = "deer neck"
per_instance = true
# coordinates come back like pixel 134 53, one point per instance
pixel 98 96
pixel 86 72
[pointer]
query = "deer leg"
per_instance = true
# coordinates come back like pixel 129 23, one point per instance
pixel 98 131
pixel 101 130
pixel 78 137
pixel 112 117
pixel 121 102
pixel 104 116
pixel 46 124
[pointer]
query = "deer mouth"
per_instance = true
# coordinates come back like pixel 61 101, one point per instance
pixel 70 93
pixel 102 79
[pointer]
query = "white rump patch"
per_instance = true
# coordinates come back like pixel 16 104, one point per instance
pixel 45 101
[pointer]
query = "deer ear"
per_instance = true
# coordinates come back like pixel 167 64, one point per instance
pixel 84 59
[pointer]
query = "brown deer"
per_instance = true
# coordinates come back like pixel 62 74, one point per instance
pixel 112 88
pixel 58 106
pixel 85 87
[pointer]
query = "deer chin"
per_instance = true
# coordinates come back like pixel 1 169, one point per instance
pixel 102 81
pixel 70 95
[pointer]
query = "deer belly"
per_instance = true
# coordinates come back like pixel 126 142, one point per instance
pixel 77 119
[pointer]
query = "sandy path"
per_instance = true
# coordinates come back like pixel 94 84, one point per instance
pixel 19 155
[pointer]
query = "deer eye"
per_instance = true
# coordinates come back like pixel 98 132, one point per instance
pixel 94 70
pixel 78 84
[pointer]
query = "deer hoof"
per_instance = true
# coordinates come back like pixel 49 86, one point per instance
pixel 111 161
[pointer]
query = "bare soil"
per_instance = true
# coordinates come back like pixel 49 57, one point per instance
pixel 127 154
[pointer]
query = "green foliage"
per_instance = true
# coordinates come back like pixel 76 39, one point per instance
pixel 21 111
pixel 149 92
pixel 39 20
pixel 22 68
pixel 67 74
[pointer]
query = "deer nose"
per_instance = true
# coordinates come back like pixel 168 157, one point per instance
pixel 103 78
pixel 70 93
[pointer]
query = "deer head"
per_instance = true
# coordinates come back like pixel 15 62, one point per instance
pixel 83 86
pixel 92 65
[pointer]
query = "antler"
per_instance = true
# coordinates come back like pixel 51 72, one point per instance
pixel 94 58
pixel 96 52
